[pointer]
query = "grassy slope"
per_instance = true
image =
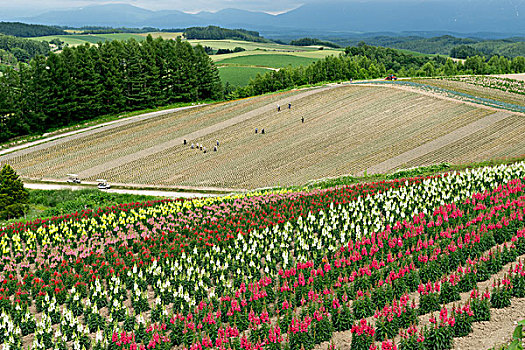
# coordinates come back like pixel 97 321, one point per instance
pixel 239 76
pixel 44 203
pixel 272 61
pixel 81 39
pixel 317 54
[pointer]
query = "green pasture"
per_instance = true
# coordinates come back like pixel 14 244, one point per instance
pixel 71 40
pixel 239 76
pixel 271 61
pixel 82 39
pixel 248 45
pixel 164 35
pixel 317 54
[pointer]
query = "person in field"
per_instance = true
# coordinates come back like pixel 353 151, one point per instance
pixel 262 131
pixel 290 105
pixel 256 130
pixel 185 141
pixel 278 108
pixel 192 146
pixel 302 120
pixel 215 149
pixel 204 149
pixel 217 143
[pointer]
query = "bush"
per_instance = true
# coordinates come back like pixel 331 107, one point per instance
pixel 13 195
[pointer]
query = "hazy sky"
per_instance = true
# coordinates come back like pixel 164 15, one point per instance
pixel 36 6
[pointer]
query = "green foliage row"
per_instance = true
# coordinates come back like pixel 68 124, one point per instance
pixel 59 202
pixel 370 62
pixel 313 41
pixel 23 49
pixel 28 30
pixel 86 82
pixel 218 33
pixel 225 51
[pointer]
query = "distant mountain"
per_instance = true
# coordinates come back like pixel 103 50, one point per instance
pixel 416 15
pixel 335 16
pixel 114 15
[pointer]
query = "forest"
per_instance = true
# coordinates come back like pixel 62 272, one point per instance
pixel 218 33
pixel 370 62
pixel 23 49
pixel 444 45
pixel 85 82
pixel 28 30
pixel 313 41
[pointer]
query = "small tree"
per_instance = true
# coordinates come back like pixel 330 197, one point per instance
pixel 13 195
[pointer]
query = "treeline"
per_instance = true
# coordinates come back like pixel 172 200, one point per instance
pixel 369 62
pixel 444 45
pixel 225 51
pixel 28 30
pixel 449 45
pixel 111 30
pixel 23 49
pixel 84 82
pixel 218 33
pixel 312 42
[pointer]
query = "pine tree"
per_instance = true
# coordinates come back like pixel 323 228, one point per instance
pixel 13 195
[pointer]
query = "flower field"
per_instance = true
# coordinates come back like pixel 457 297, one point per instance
pixel 275 270
pixel 499 83
pixel 487 87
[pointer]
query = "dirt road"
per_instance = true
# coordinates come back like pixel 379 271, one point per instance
pixel 157 193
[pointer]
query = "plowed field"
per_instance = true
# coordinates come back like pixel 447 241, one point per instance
pixel 346 130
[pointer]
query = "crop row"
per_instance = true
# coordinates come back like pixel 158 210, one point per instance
pixel 503 84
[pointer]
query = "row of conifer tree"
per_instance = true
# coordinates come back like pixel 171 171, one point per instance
pixel 84 82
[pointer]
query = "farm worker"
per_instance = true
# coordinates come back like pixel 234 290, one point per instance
pixel 290 105
pixel 262 131
pixel 192 146
pixel 201 147
pixel 256 130
pixel 302 119
pixel 278 108
pixel 185 141
pixel 217 142
pixel 215 149
pixel 204 148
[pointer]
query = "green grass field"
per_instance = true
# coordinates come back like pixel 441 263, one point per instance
pixel 271 61
pixel 81 39
pixel 239 76
pixel 248 45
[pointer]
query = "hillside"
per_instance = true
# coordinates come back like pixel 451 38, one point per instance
pixel 347 130
pixel 28 30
